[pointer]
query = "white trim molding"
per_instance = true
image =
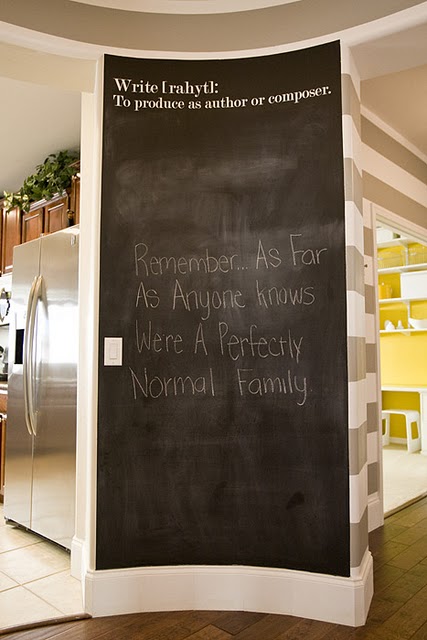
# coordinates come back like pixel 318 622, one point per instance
pixel 397 223
pixel 375 511
pixel 336 599
pixel 79 564
pixel 372 117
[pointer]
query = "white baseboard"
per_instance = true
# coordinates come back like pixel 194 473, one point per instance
pixel 308 595
pixel 77 558
pixel 78 563
pixel 375 512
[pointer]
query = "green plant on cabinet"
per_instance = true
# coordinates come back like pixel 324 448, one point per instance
pixel 53 176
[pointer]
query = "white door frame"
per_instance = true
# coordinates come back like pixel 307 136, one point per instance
pixel 401 225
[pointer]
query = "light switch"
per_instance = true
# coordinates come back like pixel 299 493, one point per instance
pixel 113 349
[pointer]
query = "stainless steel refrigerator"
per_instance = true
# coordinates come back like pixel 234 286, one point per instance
pixel 41 416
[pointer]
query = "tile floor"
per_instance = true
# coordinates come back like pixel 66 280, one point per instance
pixel 35 580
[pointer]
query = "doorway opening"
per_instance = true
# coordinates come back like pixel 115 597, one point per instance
pixel 402 312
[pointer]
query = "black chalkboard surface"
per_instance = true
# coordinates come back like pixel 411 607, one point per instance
pixel 223 436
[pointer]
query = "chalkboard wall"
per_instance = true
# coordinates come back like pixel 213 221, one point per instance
pixel 222 437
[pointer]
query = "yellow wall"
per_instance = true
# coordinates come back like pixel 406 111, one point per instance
pixel 404 359
pixel 403 356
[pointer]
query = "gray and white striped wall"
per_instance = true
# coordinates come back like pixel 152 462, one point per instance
pixel 356 328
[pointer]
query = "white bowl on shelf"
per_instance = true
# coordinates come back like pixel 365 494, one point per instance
pixel 417 323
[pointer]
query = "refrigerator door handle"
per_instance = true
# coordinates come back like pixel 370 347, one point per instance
pixel 26 373
pixel 37 297
pixel 30 415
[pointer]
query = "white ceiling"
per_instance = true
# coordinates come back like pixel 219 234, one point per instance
pixel 186 6
pixel 36 120
pixel 394 73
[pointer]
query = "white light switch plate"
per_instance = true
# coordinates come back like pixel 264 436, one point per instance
pixel 113 350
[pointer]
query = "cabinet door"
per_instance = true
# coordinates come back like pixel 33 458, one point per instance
pixel 56 215
pixel 75 199
pixel 11 236
pixel 32 224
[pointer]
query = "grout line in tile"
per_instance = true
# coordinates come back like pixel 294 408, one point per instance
pixel 43 600
pixel 24 546
pixel 14 586
pixel 48 575
pixel 21 584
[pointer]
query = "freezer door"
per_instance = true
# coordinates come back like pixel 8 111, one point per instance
pixel 19 442
pixel 54 388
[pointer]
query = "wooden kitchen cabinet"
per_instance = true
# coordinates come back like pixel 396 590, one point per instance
pixel 56 214
pixel 74 211
pixel 45 216
pixel 11 236
pixel 32 224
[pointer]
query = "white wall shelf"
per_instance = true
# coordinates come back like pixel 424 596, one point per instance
pixel 419 266
pixel 384 301
pixel 397 242
pixel 404 331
